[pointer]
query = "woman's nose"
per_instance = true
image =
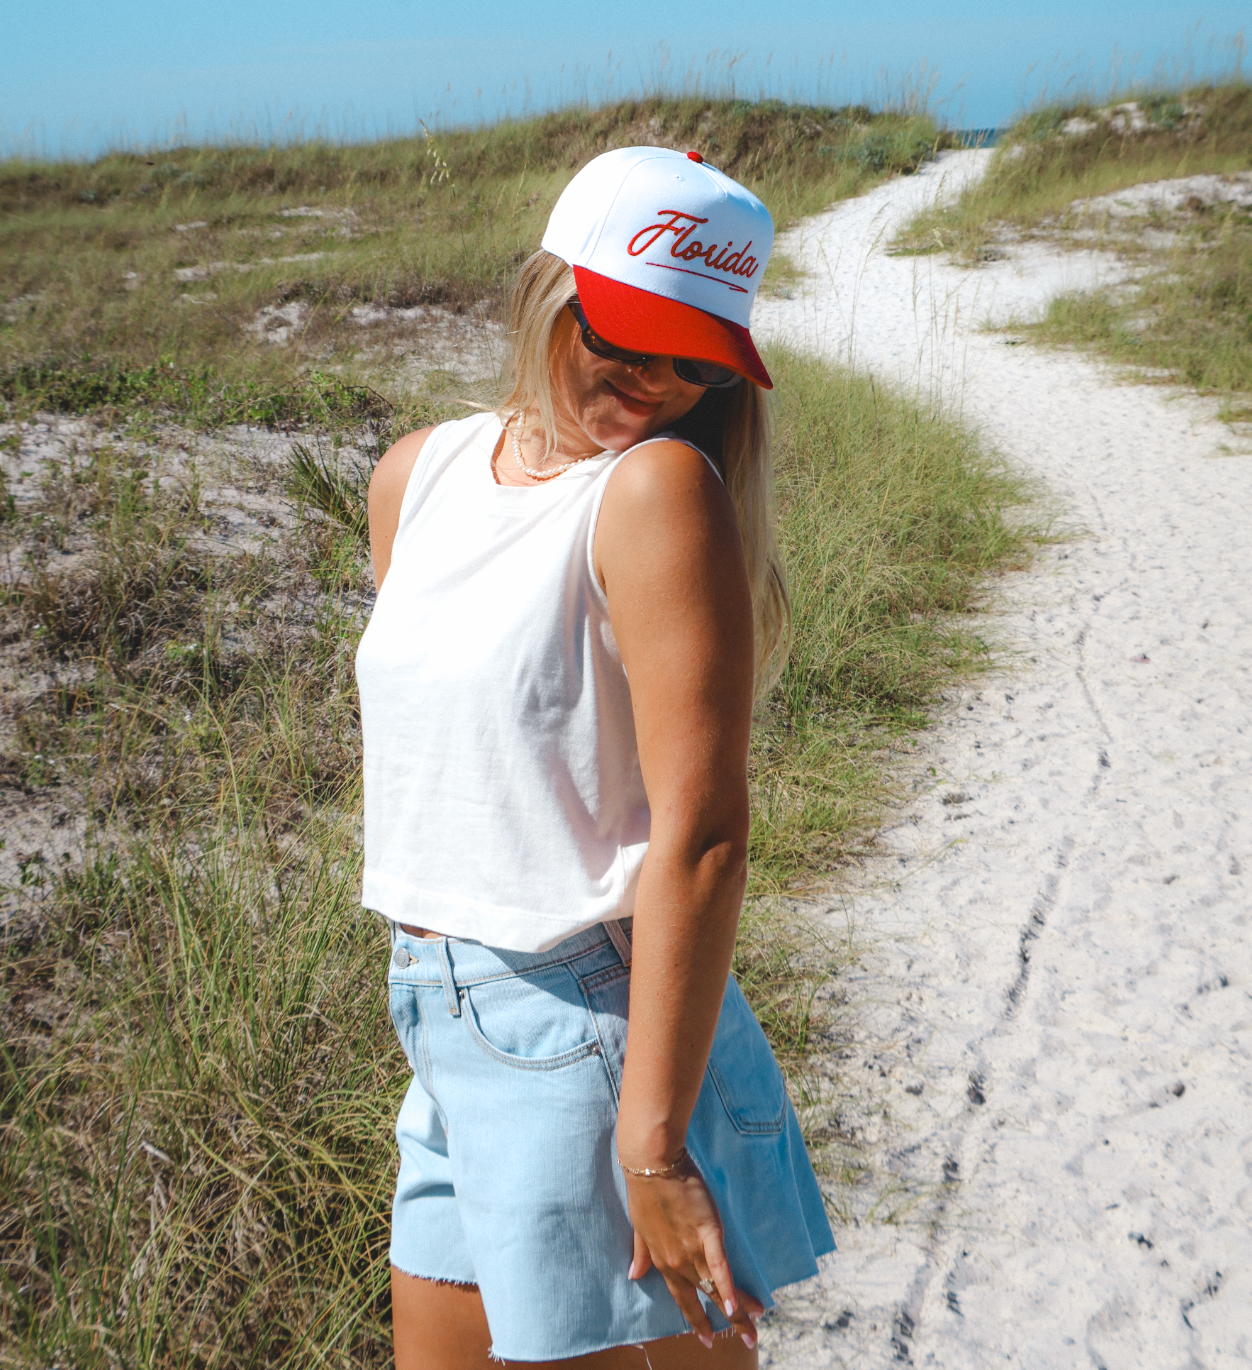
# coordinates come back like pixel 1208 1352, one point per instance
pixel 654 371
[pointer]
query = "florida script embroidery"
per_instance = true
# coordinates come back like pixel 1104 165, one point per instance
pixel 682 226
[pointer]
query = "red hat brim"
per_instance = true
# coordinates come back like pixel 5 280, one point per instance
pixel 642 322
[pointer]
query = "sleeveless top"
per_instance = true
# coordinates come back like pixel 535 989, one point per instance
pixel 503 796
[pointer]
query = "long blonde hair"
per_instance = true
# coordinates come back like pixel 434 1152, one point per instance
pixel 739 417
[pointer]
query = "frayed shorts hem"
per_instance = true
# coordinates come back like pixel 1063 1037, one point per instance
pixel 435 1279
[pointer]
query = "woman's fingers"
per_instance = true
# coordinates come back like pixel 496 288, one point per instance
pixel 755 1307
pixel 732 1299
pixel 641 1261
pixel 692 1309
pixel 742 1320
pixel 719 1273
pixel 688 1300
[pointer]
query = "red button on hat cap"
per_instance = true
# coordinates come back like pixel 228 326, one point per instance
pixel 694 157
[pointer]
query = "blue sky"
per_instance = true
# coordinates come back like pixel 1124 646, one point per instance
pixel 81 78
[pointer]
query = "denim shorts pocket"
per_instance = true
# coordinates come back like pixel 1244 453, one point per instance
pixel 531 1022
pixel 744 1071
pixel 608 997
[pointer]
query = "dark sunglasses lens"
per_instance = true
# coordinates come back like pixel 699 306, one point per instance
pixel 708 374
pixel 593 342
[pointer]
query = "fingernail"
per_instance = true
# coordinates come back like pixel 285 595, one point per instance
pixel 706 1341
pixel 730 1308
pixel 748 1340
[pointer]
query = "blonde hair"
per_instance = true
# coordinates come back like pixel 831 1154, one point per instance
pixel 736 426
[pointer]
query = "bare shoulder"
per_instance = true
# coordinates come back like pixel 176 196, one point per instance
pixel 664 499
pixel 666 480
pixel 391 475
pixel 388 483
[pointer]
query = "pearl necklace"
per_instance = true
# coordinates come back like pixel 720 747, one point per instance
pixel 539 475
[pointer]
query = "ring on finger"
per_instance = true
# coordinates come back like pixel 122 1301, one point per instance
pixel 706 1286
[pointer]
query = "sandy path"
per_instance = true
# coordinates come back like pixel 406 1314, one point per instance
pixel 1053 1072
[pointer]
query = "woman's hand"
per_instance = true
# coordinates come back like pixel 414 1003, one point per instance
pixel 678 1230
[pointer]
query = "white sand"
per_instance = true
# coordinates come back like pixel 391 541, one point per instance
pixel 1069 942
pixel 1169 197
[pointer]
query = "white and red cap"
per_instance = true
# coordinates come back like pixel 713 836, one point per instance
pixel 667 255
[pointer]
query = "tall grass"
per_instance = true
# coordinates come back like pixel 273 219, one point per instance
pixel 1060 154
pixel 194 1166
pixel 140 262
pixel 1188 320
pixel 890 515
pixel 198 1077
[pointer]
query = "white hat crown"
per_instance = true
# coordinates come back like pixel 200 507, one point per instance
pixel 668 223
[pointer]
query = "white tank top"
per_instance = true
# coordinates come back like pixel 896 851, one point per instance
pixel 503 798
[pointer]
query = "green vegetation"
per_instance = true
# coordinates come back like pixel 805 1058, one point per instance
pixel 890 515
pixel 132 262
pixel 1055 156
pixel 195 395
pixel 1188 317
pixel 198 1079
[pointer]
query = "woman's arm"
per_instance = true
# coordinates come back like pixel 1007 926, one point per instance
pixel 669 555
pixel 388 483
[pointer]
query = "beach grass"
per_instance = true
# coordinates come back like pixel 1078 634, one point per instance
pixel 198 1078
pixel 891 517
pixel 1185 317
pixel 1054 156
pixel 132 264
pixel 1188 319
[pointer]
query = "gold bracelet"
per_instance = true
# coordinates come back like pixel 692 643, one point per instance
pixel 657 1172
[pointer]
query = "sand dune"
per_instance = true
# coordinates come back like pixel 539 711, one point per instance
pixel 1053 1071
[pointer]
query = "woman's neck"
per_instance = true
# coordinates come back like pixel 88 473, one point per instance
pixel 523 456
pixel 572 442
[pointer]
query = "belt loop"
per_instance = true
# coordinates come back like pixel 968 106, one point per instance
pixel 445 974
pixel 619 939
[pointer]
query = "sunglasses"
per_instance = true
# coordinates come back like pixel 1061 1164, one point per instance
pixel 707 374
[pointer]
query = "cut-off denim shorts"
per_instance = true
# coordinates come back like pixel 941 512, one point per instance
pixel 508 1166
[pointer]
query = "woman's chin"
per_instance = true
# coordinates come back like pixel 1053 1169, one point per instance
pixel 617 432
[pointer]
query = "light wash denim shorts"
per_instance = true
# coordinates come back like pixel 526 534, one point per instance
pixel 508 1169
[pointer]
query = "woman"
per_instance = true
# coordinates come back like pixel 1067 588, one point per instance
pixel 577 598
